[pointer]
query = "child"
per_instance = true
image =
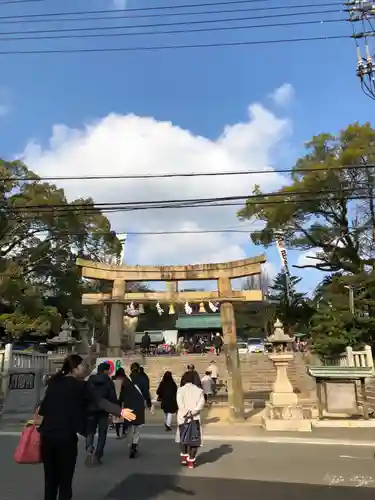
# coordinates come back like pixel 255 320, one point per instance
pixel 207 385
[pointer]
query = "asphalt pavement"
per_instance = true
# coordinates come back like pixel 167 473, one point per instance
pixel 239 470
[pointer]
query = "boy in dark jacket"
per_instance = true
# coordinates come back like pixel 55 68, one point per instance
pixel 100 386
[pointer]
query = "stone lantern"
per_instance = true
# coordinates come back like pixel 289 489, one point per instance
pixel 282 410
pixel 282 392
pixel 64 343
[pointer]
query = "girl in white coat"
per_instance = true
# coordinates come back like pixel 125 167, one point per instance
pixel 190 402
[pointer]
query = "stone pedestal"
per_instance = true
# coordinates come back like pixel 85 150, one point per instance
pixel 283 413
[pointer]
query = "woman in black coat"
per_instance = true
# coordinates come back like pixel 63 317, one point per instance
pixel 64 411
pixel 131 397
pixel 167 394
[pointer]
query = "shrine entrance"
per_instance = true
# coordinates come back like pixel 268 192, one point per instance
pixel 223 273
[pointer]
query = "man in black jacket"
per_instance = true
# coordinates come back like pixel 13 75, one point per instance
pixel 196 377
pixel 100 386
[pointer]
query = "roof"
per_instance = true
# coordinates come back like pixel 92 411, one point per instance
pixel 199 322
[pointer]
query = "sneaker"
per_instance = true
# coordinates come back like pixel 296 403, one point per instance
pixel 133 451
pixel 184 459
pixel 191 463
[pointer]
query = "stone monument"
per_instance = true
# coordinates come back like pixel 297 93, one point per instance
pixel 283 413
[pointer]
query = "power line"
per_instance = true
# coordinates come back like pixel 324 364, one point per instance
pixel 287 197
pixel 154 48
pixel 161 7
pixel 153 33
pixel 161 25
pixel 186 174
pixel 41 18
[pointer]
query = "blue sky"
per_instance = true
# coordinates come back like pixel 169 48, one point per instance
pixel 198 90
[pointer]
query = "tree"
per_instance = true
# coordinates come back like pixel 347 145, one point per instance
pixel 41 235
pixel 290 306
pixel 334 325
pixel 327 207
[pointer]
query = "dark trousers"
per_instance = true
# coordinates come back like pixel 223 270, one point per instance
pixel 214 380
pixel 59 460
pixel 191 451
pixel 119 426
pixel 97 422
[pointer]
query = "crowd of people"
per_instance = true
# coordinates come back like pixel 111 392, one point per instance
pixel 72 406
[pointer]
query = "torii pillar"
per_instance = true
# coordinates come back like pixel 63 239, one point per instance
pixel 228 324
pixel 116 322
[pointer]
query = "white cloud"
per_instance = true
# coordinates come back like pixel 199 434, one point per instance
pixel 308 258
pixel 130 144
pixel 120 4
pixel 283 95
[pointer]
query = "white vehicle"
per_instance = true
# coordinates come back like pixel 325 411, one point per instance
pixel 255 345
pixel 242 348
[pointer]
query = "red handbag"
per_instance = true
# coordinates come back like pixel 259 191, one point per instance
pixel 28 450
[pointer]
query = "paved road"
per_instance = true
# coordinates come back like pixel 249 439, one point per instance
pixel 242 471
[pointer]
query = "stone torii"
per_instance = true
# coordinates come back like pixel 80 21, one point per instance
pixel 223 273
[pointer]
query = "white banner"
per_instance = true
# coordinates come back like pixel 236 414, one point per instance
pixel 280 242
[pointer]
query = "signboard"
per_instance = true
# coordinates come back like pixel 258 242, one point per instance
pixel 114 364
pixel 25 390
pixel 21 381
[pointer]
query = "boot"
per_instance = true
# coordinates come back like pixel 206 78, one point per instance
pixel 191 463
pixel 133 451
pixel 183 459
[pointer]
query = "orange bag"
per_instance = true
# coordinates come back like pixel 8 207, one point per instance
pixel 28 450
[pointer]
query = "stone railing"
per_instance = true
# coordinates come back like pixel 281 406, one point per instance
pixel 353 358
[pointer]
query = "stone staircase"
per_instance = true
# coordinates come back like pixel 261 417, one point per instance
pixel 258 373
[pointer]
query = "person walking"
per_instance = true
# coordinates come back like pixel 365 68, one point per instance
pixel 190 402
pixel 131 396
pixel 218 343
pixel 207 385
pixel 119 423
pixel 145 344
pixel 214 374
pixel 196 377
pixel 167 395
pixel 63 412
pixel 101 387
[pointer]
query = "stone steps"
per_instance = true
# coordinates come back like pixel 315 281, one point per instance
pixel 258 373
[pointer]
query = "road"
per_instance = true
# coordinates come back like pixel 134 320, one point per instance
pixel 241 470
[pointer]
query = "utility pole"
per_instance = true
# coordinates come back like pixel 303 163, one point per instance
pixel 351 299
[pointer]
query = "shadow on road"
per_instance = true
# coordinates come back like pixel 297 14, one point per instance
pixel 212 456
pixel 149 487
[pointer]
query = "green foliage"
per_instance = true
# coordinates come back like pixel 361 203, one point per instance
pixel 293 311
pixel 334 326
pixel 329 207
pixel 41 235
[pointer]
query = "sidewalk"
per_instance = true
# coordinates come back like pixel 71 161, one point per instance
pixel 217 427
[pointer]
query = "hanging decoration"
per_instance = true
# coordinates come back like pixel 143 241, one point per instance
pixel 141 309
pixel 212 306
pixel 171 311
pixel 159 309
pixel 131 310
pixel 202 308
pixel 188 308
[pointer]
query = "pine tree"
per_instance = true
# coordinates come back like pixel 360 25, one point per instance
pixel 292 308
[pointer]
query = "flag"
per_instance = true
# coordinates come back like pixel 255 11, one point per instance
pixel 280 242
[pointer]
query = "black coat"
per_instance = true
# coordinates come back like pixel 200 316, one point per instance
pixel 131 397
pixel 197 379
pixel 65 407
pixel 146 341
pixel 100 387
pixel 167 394
pixel 142 381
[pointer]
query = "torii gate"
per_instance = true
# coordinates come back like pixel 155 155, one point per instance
pixel 223 273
